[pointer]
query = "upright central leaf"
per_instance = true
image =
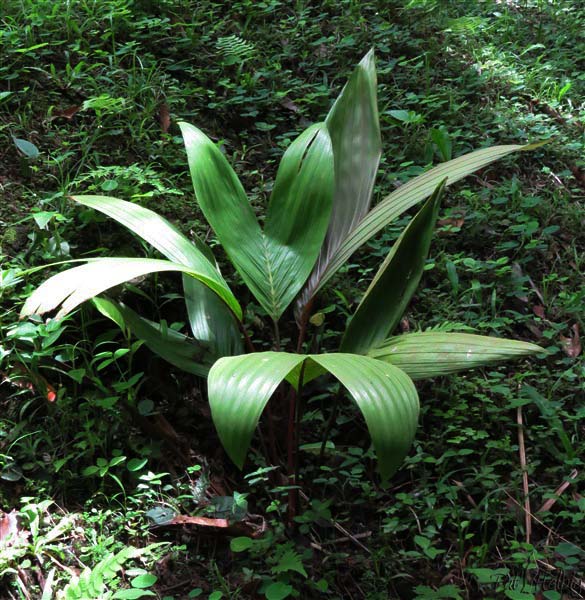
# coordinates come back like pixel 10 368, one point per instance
pixel 275 262
pixel 355 134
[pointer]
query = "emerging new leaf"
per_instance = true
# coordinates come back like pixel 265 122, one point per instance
pixel 354 126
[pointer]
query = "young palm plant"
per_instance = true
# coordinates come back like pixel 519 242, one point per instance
pixel 317 217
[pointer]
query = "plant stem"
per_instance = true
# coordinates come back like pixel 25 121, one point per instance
pixel 273 457
pixel 276 335
pixel 304 320
pixel 247 340
pixel 330 422
pixel 293 447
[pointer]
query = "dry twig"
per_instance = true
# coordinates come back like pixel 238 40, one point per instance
pixel 522 452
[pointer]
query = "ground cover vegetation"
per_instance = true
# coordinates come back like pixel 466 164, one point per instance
pixel 114 483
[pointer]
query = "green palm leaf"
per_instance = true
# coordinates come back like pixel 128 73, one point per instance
pixel 74 286
pixel 210 319
pixel 174 347
pixel 395 282
pixel 275 263
pixel 239 388
pixel 433 353
pixel 354 126
pixel 156 230
pixel 411 193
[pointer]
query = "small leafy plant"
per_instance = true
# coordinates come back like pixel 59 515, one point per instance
pixel 317 217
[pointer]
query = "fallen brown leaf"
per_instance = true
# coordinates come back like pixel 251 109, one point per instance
pixel 254 526
pixel 8 526
pixel 453 222
pixel 572 345
pixel 202 521
pixel 66 113
pixel 30 381
pixel 537 332
pixel 288 103
pixel 164 117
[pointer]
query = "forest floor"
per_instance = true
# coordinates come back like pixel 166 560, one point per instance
pixel 102 444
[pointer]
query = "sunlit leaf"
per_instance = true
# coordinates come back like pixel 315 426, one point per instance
pixel 239 388
pixel 409 194
pixel 430 353
pixel 353 124
pixel 156 230
pixel 72 287
pixel 395 282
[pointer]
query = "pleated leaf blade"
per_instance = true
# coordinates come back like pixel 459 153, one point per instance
pixel 74 286
pixel 433 353
pixel 224 204
pixel 240 387
pixel 273 263
pixel 299 213
pixel 156 230
pixel 411 193
pixel 395 282
pixel 354 126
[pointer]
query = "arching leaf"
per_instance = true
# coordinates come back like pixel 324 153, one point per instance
pixel 433 353
pixel 409 194
pixel 156 230
pixel 174 347
pixel 72 287
pixel 240 387
pixel 210 319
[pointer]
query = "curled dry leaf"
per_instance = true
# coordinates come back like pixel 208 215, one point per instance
pixel 249 528
pixel 454 222
pixel 8 526
pixel 202 521
pixel 572 345
pixel 288 103
pixel 164 117
pixel 67 113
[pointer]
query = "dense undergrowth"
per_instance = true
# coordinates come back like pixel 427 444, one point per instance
pixel 101 443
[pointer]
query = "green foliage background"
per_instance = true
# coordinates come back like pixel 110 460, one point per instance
pixel 98 89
